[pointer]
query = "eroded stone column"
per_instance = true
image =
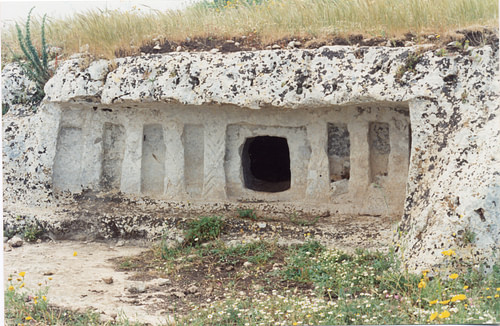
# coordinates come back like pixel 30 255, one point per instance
pixel 214 184
pixel 359 180
pixel 398 163
pixel 318 181
pixel 131 168
pixel 92 132
pixel 174 161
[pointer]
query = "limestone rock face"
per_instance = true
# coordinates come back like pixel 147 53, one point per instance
pixel 17 90
pixel 453 185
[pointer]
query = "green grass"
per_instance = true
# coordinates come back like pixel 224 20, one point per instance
pixel 105 32
pixel 203 229
pixel 247 213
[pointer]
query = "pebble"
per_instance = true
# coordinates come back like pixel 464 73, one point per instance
pixel 214 50
pixel 247 264
pixel 15 242
pixel 179 48
pixel 262 225
pixel 276 47
pixel 192 289
pixel 108 280
pixel 137 288
pixel 179 294
pixel 120 243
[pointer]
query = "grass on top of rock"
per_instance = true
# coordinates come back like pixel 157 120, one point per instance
pixel 110 33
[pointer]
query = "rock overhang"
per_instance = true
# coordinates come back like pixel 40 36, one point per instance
pixel 286 79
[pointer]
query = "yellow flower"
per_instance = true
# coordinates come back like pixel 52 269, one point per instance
pixel 22 274
pixel 444 302
pixel 28 318
pixel 424 272
pixel 433 316
pixel 35 301
pixel 497 295
pixel 39 284
pixel 488 297
pixel 448 252
pixel 44 298
pixel 433 302
pixel 444 314
pixel 487 288
pixel 9 279
pixel 498 289
pixel 18 279
pixel 459 297
pixel 11 288
pixel 21 286
pixel 50 278
pixel 74 254
pixel 421 284
pixel 466 287
pixel 453 276
pixel 466 305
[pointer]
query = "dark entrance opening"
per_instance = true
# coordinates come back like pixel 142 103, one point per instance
pixel 266 164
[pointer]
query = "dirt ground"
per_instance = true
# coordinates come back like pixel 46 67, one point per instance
pixel 145 293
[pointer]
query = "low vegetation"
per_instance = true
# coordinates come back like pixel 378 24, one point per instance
pixel 110 33
pixel 24 306
pixel 264 283
pixel 364 288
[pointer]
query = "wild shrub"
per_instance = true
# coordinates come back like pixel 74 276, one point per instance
pixel 247 213
pixel 202 230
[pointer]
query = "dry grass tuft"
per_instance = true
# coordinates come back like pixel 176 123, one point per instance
pixel 105 32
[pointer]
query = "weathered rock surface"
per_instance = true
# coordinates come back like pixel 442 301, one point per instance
pixel 16 242
pixel 453 186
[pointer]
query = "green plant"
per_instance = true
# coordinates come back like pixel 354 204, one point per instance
pixel 409 65
pixel 441 52
pixel 257 252
pixel 469 236
pixel 302 222
pixel 202 230
pixel 32 232
pixel 5 108
pixel 35 65
pixel 247 213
